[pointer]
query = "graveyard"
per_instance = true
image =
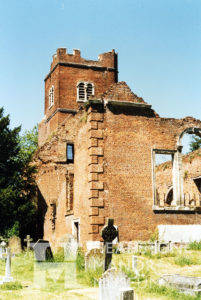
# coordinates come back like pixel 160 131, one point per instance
pixel 142 270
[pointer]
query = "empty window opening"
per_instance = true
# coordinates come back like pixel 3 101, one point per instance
pixel 163 177
pixel 169 196
pixel 190 170
pixel 70 153
pixel 76 229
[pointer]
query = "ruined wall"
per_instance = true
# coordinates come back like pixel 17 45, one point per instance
pixel 129 137
pixel 52 179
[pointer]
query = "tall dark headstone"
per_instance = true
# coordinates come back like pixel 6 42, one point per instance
pixel 109 233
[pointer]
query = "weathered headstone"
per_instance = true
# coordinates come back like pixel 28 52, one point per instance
pixel 2 249
pixel 70 245
pixel 1 252
pixel 156 247
pixel 186 284
pixel 42 250
pixel 113 285
pixel 93 259
pixel 7 277
pixel 15 244
pixel 109 233
pixel 134 265
pixel 28 240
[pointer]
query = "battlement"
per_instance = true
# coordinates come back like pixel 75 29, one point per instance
pixel 105 60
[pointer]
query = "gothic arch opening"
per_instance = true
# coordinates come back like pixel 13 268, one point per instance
pixel 189 167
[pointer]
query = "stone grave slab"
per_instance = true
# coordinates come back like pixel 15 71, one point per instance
pixel 14 244
pixel 187 284
pixel 93 259
pixel 114 285
pixel 70 245
pixel 42 250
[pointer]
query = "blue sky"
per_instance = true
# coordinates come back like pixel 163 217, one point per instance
pixel 158 43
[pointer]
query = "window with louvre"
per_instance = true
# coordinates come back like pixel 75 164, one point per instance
pixel 89 90
pixel 84 91
pixel 51 96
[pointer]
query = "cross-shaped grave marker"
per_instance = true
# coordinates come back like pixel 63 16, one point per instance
pixel 7 277
pixel 28 240
pixel 109 233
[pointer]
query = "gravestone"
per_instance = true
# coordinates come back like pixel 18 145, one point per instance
pixel 2 249
pixel 109 233
pixel 42 250
pixel 70 245
pixel 14 244
pixel 28 240
pixel 7 277
pixel 186 284
pixel 134 265
pixel 93 259
pixel 114 285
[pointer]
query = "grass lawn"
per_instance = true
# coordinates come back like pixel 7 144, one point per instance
pixel 66 280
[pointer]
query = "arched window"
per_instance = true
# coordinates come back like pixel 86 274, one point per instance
pixel 81 91
pixel 51 96
pixel 89 90
pixel 84 91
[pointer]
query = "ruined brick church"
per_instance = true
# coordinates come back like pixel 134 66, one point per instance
pixel 98 144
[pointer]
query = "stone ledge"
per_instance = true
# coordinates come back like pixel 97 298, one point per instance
pixel 175 208
pixel 127 103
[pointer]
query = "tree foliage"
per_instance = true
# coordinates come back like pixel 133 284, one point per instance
pixel 17 185
pixel 195 143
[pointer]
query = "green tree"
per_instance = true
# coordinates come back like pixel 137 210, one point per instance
pixel 17 185
pixel 195 143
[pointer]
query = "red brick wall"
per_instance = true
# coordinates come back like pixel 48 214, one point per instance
pixel 66 71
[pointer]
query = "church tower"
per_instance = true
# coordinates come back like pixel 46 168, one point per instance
pixel 70 82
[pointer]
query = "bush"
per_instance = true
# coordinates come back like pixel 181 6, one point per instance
pixel 184 260
pixel 194 245
pixel 11 286
pixel 80 262
pixel 171 293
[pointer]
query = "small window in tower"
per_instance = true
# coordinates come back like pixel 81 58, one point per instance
pixel 51 96
pixel 81 91
pixel 89 90
pixel 84 91
pixel 70 153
